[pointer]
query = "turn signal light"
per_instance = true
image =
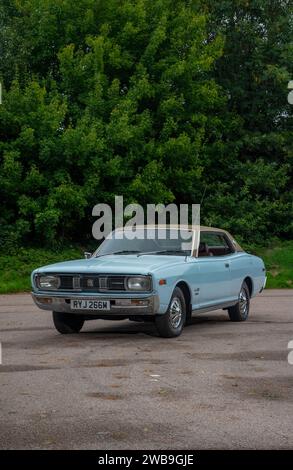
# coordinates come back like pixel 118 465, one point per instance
pixel 45 300
pixel 139 302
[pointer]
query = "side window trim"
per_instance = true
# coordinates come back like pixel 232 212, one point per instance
pixel 225 237
pixel 229 243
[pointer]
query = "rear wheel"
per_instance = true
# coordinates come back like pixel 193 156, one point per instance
pixel 172 322
pixel 240 311
pixel 67 323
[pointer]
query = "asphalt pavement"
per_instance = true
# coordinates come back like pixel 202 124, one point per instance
pixel 117 385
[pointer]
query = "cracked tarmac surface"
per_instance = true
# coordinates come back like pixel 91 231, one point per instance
pixel 117 385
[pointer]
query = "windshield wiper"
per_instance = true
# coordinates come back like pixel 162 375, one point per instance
pixel 141 253
pixel 122 252
pixel 163 252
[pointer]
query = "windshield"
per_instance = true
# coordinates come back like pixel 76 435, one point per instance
pixel 147 241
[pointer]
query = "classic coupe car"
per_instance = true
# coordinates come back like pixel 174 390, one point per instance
pixel 164 277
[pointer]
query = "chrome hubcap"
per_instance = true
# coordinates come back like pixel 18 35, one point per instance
pixel 243 302
pixel 175 312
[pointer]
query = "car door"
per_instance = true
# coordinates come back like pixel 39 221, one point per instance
pixel 214 269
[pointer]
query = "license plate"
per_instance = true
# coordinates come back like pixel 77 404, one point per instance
pixel 90 304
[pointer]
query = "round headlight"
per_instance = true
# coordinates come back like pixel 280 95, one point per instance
pixel 48 282
pixel 141 283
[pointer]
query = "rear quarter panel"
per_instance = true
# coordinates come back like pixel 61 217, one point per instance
pixel 246 265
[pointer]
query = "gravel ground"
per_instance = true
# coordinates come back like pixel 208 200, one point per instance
pixel 116 385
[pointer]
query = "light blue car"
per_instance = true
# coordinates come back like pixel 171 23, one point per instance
pixel 163 275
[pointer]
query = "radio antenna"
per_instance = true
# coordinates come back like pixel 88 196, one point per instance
pixel 204 193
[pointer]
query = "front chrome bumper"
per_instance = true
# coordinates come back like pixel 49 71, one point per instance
pixel 60 302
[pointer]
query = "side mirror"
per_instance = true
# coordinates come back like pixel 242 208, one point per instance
pixel 87 254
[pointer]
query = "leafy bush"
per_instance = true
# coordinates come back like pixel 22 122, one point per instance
pixel 156 101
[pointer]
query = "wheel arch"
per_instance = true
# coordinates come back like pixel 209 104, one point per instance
pixel 249 283
pixel 187 294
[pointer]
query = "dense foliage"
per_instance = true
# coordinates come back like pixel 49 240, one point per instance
pixel 158 101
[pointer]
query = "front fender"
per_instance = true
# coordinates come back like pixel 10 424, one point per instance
pixel 165 291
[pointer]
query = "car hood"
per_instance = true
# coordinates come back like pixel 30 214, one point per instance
pixel 115 264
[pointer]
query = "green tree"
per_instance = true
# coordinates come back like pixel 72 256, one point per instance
pixel 256 166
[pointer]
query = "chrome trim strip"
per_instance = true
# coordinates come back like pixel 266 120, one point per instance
pixel 76 282
pixel 215 307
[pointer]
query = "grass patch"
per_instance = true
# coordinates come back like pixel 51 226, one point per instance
pixel 15 269
pixel 278 259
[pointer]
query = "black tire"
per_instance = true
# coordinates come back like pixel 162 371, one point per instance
pixel 169 324
pixel 240 311
pixel 188 318
pixel 67 323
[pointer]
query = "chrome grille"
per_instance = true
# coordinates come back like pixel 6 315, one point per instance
pixel 116 283
pixel 89 283
pixel 92 282
pixel 66 282
pixel 103 283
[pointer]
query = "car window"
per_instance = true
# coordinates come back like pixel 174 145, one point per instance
pixel 213 244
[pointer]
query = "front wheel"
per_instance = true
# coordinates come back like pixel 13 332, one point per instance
pixel 171 323
pixel 67 323
pixel 240 311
